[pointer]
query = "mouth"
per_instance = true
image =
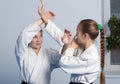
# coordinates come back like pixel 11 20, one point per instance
pixel 37 43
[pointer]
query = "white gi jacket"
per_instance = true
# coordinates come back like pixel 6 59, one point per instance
pixel 83 66
pixel 35 69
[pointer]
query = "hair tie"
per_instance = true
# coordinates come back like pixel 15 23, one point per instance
pixel 99 27
pixel 102 68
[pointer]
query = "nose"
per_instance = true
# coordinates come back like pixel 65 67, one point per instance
pixel 38 38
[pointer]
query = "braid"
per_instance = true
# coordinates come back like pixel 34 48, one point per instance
pixel 102 76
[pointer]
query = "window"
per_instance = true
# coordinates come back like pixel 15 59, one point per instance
pixel 115 7
pixel 110 7
pixel 115 10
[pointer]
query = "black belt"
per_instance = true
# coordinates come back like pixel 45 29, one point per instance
pixel 77 83
pixel 24 82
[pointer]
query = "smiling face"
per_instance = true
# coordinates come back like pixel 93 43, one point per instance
pixel 37 41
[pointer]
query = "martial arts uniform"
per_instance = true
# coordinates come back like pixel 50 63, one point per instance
pixel 84 66
pixel 35 69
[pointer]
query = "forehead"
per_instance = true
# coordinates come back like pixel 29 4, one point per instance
pixel 39 33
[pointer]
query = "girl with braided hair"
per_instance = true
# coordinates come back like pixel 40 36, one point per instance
pixel 81 57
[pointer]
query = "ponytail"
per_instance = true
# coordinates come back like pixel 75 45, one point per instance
pixel 102 50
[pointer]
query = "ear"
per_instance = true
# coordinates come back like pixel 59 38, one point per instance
pixel 86 36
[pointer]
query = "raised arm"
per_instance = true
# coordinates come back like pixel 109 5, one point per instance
pixel 25 38
pixel 41 12
pixel 50 28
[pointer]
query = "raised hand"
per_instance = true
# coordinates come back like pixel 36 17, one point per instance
pixel 67 37
pixel 45 16
pixel 41 11
pixel 49 15
pixel 67 40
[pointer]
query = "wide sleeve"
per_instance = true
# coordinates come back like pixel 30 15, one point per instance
pixel 55 57
pixel 24 39
pixel 76 64
pixel 54 32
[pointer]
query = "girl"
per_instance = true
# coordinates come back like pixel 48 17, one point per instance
pixel 35 62
pixel 81 58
